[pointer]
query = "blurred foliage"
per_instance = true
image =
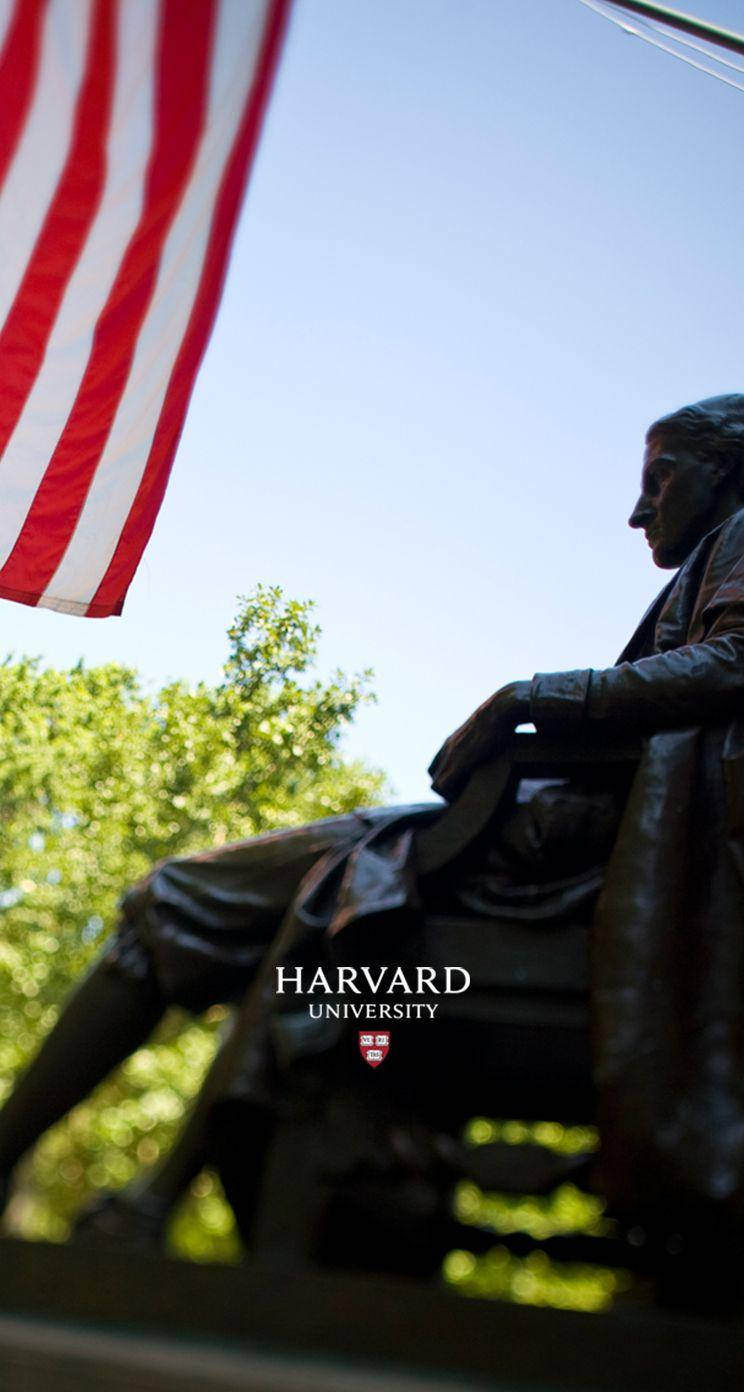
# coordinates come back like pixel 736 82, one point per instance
pixel 565 1210
pixel 553 1135
pixel 534 1279
pixel 99 779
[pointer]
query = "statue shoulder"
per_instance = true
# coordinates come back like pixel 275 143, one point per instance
pixel 732 533
pixel 725 546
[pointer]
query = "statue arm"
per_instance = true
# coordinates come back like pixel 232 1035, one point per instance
pixel 699 683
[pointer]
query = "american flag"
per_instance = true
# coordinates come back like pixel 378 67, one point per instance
pixel 126 136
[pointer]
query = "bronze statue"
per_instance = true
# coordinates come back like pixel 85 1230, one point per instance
pixel 668 969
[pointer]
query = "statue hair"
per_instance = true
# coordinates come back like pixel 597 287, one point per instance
pixel 714 427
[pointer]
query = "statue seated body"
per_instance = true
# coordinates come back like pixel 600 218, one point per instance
pixel 662 843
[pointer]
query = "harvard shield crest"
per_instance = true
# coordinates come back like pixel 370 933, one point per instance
pixel 373 1046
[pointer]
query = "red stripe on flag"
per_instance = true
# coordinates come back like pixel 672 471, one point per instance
pixel 111 593
pixel 31 317
pixel 19 67
pixel 185 46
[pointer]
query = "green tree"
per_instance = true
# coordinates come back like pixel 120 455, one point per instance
pixel 98 780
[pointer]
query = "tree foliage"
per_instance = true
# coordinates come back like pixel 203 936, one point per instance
pixel 98 780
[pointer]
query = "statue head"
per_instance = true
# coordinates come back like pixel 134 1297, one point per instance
pixel 693 476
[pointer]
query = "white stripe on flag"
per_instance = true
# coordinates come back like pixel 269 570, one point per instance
pixel 42 420
pixel 119 472
pixel 6 14
pixel 39 159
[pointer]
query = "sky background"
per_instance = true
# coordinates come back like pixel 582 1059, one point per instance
pixel 485 243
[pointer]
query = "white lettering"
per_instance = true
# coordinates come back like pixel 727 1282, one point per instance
pixel 319 983
pixel 373 985
pixel 286 974
pixel 449 988
pixel 347 977
pixel 425 980
pixel 398 982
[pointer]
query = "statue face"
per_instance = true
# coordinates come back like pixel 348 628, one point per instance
pixel 678 502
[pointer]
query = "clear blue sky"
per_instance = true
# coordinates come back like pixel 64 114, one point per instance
pixel 486 242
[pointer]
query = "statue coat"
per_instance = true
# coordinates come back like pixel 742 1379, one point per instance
pixel 668 942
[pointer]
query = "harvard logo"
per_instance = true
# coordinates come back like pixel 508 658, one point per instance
pixel 374 1047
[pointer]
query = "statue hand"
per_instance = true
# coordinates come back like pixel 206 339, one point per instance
pixel 479 738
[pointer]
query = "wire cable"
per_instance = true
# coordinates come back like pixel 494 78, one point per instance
pixel 636 29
